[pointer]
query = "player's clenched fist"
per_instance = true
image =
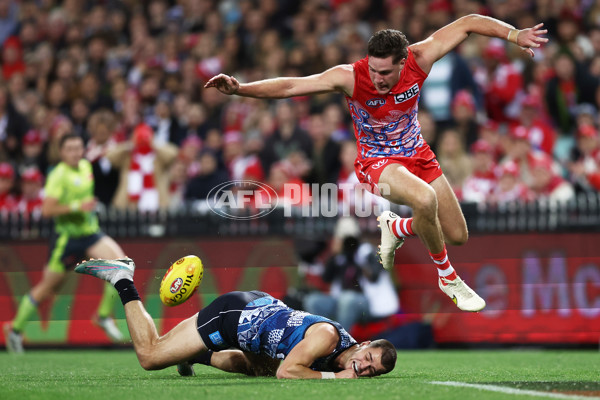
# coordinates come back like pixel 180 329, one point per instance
pixel 223 83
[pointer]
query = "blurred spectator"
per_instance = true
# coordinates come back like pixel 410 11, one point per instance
pixel 12 58
pixel 586 114
pixel 13 127
pixel 177 183
pixel 449 76
pixel 101 128
pixel 334 118
pixel 289 189
pixel 464 117
pixel 568 35
pixel 546 183
pixel 325 154
pixel 31 199
pixel 209 176
pixel 537 169
pixel 570 86
pixel 240 157
pixel 189 152
pixel 499 79
pixel 9 19
pixel 361 290
pixel 541 135
pixel 214 143
pixel 490 132
pixel 196 123
pixel 8 200
pixel 79 113
pixel 454 160
pixel 585 162
pixel 522 154
pixel 33 151
pixel 164 123
pixel 510 187
pixel 287 138
pixel 91 94
pixel 59 127
pixel 143 181
pixel 478 187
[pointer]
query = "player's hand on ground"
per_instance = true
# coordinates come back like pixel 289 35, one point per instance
pixel 346 374
pixel 223 83
pixel 531 38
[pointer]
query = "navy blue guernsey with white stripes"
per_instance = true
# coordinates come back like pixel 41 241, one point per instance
pixel 268 326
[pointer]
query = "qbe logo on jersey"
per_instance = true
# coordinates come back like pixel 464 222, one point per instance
pixel 407 95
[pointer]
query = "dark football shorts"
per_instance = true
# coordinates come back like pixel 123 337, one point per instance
pixel 66 251
pixel 218 322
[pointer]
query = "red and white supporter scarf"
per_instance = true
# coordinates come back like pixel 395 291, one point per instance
pixel 141 187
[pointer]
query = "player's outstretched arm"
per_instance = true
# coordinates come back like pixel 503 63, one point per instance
pixel 319 342
pixel 339 78
pixel 448 37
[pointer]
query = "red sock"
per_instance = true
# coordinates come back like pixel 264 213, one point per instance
pixel 402 227
pixel 444 267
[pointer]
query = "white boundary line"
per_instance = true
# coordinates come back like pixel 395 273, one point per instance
pixel 508 390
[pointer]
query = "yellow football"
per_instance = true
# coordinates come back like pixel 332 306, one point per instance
pixel 181 280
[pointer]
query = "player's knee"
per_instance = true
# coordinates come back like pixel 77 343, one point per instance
pixel 458 237
pixel 146 359
pixel 426 202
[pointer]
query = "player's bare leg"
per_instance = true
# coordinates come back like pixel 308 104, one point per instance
pixel 13 331
pixel 406 188
pixel 107 248
pixel 153 351
pixel 451 218
pixel 158 352
pixel 50 284
pixel 235 361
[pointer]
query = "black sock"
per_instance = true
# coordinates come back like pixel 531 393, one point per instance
pixel 203 358
pixel 127 291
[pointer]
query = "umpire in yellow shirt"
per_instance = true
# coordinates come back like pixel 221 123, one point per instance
pixel 69 199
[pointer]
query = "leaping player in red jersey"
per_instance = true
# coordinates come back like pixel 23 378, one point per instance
pixel 382 91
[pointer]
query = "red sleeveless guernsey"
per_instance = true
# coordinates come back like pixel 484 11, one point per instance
pixel 386 126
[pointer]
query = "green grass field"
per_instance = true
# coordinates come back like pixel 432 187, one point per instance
pixel 115 374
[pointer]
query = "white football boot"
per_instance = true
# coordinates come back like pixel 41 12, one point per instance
pixel 462 295
pixel 13 340
pixel 110 270
pixel 389 242
pixel 107 324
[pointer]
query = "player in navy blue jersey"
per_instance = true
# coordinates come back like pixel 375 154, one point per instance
pixel 246 332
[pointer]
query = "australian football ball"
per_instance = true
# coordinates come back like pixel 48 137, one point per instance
pixel 181 280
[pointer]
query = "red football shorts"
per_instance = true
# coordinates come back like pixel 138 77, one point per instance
pixel 423 164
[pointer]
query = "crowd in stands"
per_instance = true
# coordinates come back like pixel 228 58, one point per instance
pixel 128 77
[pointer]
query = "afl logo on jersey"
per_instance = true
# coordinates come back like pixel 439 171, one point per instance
pixel 377 102
pixel 407 95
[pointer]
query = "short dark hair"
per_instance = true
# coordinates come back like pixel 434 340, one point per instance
pixel 388 42
pixel 66 137
pixel 388 353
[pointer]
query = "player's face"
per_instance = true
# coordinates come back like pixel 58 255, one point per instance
pixel 366 361
pixel 72 151
pixel 384 73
